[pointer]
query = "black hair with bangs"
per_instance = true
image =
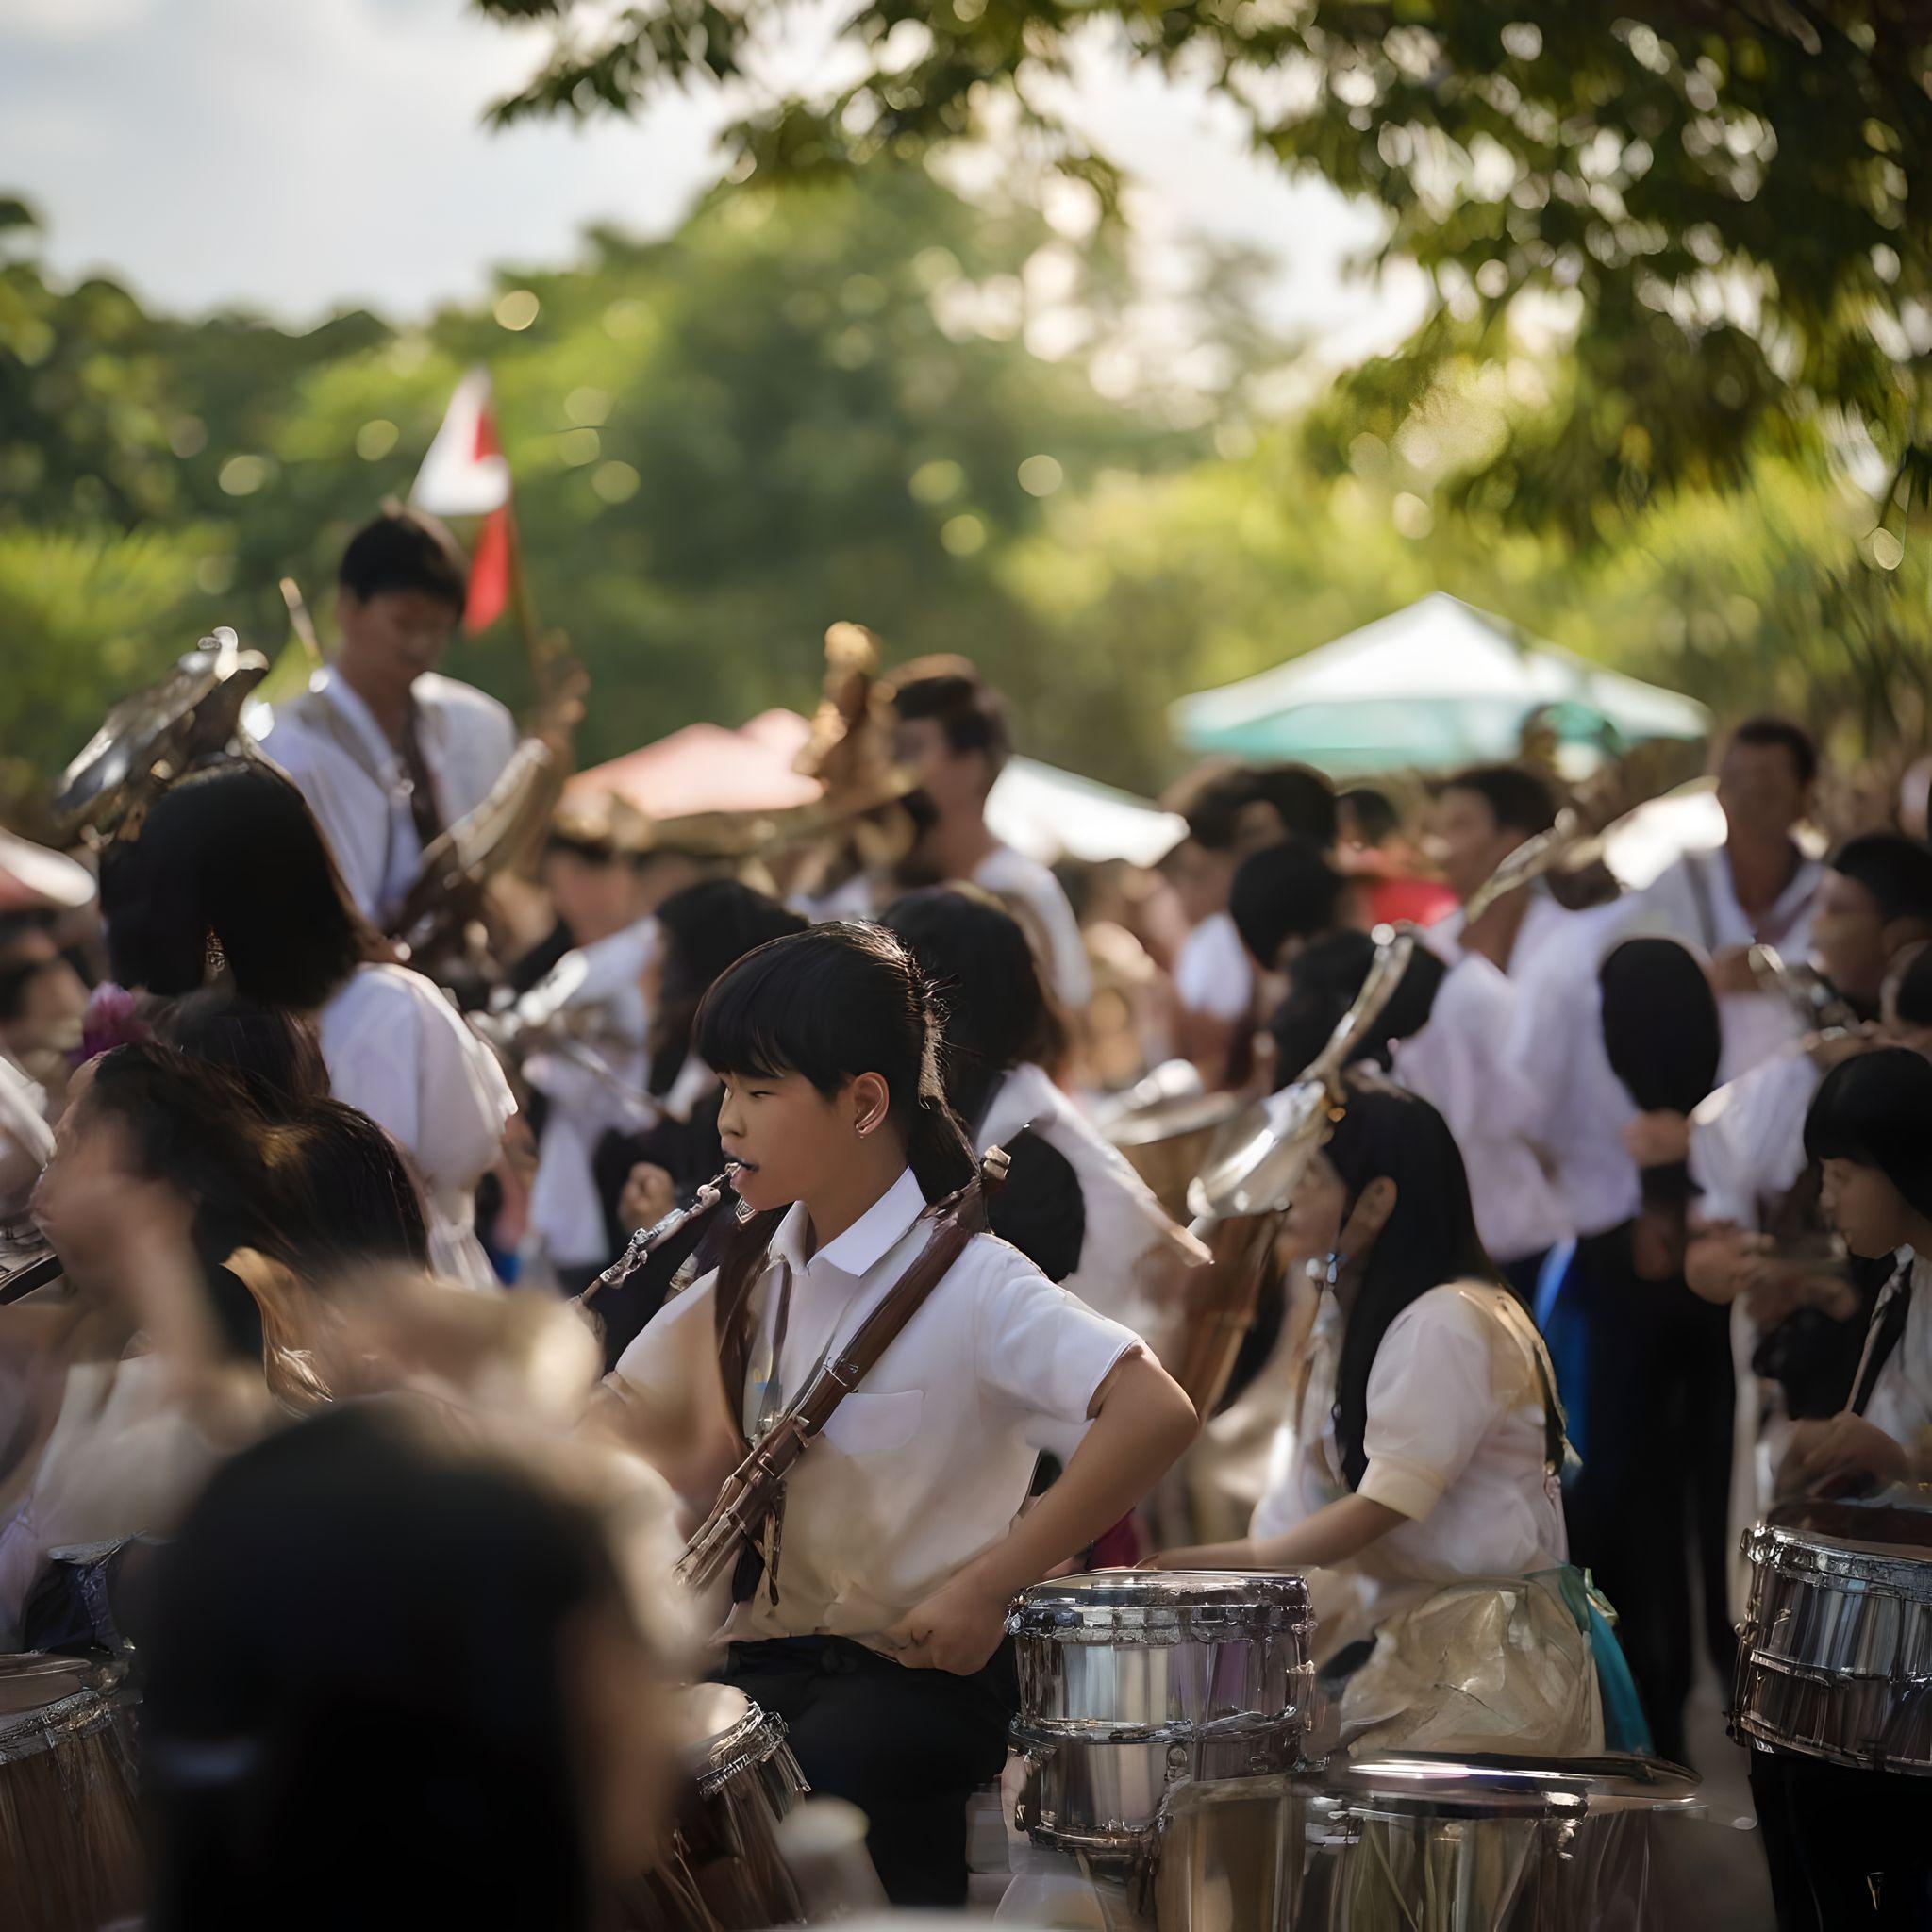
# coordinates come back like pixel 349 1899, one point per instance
pixel 1875 1111
pixel 833 1002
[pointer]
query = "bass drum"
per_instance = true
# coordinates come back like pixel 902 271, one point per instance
pixel 721 1871
pixel 71 1855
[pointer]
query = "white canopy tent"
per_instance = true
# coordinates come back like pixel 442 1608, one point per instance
pixel 1438 685
pixel 1050 815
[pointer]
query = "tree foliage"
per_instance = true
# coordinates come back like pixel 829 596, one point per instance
pixel 1728 202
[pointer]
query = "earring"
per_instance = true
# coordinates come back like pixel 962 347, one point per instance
pixel 214 959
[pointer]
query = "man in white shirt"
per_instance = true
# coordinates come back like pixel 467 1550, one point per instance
pixel 951 736
pixel 387 753
pixel 1756 888
pixel 1480 817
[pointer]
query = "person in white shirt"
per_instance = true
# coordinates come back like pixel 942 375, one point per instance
pixel 1756 888
pixel 1847 1848
pixel 1213 977
pixel 951 736
pixel 230 882
pixel 1419 1470
pixel 387 752
pixel 606 897
pixel 1480 816
pixel 1444 1035
pixel 871 1624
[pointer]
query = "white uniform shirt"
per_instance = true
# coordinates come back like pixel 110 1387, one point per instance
pixel 565 1206
pixel 1460 1063
pixel 1581 1107
pixel 1454 1439
pixel 1747 1138
pixel 1133 1257
pixel 359 788
pixel 927 1462
pixel 1901 1398
pixel 1697 901
pixel 1048 918
pixel 1543 919
pixel 398 1051
pixel 1212 974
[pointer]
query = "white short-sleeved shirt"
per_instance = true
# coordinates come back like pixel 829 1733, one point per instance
pixel 1901 1398
pixel 1697 901
pixel 357 786
pixel 1456 1440
pixel 399 1052
pixel 1557 1046
pixel 1747 1138
pixel 1460 1063
pixel 1542 921
pixel 566 1208
pixel 1212 974
pixel 927 1462
pixel 1009 875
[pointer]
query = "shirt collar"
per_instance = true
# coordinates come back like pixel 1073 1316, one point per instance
pixel 865 1244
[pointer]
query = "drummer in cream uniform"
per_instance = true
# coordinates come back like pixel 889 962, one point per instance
pixel 387 753
pixel 1846 1844
pixel 1417 1473
pixel 873 1619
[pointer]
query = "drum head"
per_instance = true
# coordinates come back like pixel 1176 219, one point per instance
pixel 30 1682
pixel 1885 1529
pixel 1487 1785
pixel 708 1714
pixel 1152 1606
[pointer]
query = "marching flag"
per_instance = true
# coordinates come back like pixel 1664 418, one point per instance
pixel 466 475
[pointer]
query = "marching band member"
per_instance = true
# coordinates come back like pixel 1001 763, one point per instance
pixel 1758 887
pixel 387 752
pixel 1128 1259
pixel 1481 816
pixel 230 882
pixel 1213 977
pixel 1847 1848
pixel 874 1629
pixel 1420 1466
pixel 951 736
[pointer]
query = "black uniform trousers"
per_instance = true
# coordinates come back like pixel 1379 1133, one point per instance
pixel 908 1747
pixel 1849 1851
pixel 1658 1398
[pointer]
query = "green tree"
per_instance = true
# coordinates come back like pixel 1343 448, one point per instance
pixel 1727 201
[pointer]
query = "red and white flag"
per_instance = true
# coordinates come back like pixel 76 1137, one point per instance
pixel 466 475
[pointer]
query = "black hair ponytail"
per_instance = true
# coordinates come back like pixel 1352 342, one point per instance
pixel 833 1002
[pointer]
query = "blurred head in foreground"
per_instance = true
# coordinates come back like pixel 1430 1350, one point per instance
pixel 394 1679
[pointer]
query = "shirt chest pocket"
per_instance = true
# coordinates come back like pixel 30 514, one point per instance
pixel 865 1424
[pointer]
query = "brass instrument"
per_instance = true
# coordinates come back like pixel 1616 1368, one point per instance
pixel 1242 1196
pixel 149 740
pixel 1807 991
pixel 1575 841
pixel 1164 1128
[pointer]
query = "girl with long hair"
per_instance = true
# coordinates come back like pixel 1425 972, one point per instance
pixel 1418 1470
pixel 230 882
pixel 872 1624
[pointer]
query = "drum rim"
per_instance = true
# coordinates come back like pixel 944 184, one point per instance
pixel 1227 1606
pixel 1088 1732
pixel 754 1741
pixel 29 1733
pixel 1789 1550
pixel 1754 1662
pixel 1469 1786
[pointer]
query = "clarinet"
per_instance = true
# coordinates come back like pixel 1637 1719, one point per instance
pixel 647 1241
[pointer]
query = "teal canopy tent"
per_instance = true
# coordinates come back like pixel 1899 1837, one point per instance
pixel 1438 685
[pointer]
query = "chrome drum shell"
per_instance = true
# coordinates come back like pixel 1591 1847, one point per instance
pixel 1835 1657
pixel 1132 1682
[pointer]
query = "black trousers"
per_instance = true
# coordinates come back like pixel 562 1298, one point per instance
pixel 1657 1413
pixel 908 1747
pixel 1848 1850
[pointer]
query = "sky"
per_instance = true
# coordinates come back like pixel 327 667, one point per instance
pixel 296 156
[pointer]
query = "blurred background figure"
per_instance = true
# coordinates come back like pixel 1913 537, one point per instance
pixel 1374 847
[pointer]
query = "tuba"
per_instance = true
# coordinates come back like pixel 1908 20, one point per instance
pixel 149 740
pixel 1241 1198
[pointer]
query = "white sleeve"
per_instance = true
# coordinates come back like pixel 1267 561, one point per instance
pixel 1430 1401
pixel 657 1361
pixel 1038 1348
pixel 1212 975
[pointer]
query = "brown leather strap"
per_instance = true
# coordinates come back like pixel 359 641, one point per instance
pixel 754 1489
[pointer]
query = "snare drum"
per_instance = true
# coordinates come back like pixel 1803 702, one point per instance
pixel 70 1824
pixel 1429 1841
pixel 1834 1659
pixel 722 1871
pixel 1132 1681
